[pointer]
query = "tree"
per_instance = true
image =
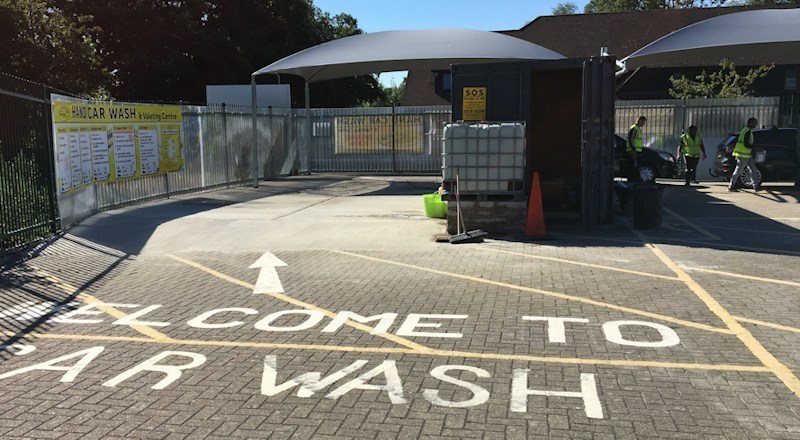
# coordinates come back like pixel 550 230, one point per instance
pixel 344 92
pixel 723 83
pixel 565 8
pixel 169 50
pixel 392 95
pixel 41 43
pixel 598 6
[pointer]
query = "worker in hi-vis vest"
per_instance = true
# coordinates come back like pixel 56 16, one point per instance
pixel 743 152
pixel 692 148
pixel 634 146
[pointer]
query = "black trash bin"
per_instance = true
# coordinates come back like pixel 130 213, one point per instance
pixel 647 206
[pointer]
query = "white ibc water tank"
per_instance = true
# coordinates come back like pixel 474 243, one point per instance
pixel 489 158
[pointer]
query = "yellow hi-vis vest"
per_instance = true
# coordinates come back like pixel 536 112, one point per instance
pixel 638 139
pixel 741 150
pixel 691 146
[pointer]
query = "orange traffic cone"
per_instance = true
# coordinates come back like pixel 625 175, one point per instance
pixel 534 223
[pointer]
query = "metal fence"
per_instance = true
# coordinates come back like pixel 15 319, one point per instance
pixel 715 118
pixel 217 147
pixel 27 180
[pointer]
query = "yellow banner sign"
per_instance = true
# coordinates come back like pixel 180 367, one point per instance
pixel 78 112
pixel 474 104
pixel 105 142
pixel 373 134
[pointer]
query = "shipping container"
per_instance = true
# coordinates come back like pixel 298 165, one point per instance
pixel 568 110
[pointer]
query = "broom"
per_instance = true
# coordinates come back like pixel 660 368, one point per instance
pixel 475 236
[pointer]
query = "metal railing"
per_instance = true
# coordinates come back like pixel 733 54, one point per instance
pixel 715 118
pixel 27 179
pixel 217 149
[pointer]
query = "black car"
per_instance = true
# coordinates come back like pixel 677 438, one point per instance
pixel 775 152
pixel 653 164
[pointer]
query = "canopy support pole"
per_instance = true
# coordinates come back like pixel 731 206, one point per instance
pixel 304 153
pixel 254 144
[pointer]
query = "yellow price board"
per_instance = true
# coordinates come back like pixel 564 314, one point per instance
pixel 473 107
pixel 106 142
pixel 82 112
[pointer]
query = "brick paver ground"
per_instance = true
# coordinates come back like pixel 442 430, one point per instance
pixel 675 368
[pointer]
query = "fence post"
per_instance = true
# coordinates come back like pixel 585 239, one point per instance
pixel 51 188
pixel 685 115
pixel 254 144
pixel 270 145
pixel 394 153
pixel 225 147
pixel 304 168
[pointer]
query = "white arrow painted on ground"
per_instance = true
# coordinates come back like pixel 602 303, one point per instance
pixel 268 281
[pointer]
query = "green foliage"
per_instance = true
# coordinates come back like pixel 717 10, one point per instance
pixel 565 8
pixel 42 44
pixel 723 83
pixel 597 6
pixel 392 95
pixel 23 193
pixel 169 50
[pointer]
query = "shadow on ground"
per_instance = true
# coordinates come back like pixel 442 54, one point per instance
pixel 696 219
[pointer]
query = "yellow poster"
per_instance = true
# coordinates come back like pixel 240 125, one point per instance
pixel 125 158
pixel 373 134
pixel 170 159
pixel 474 104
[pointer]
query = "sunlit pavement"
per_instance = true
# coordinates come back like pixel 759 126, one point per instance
pixel 320 307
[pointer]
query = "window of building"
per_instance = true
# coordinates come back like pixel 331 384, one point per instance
pixel 443 84
pixel 791 79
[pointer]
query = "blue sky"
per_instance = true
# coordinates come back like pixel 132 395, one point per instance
pixel 493 15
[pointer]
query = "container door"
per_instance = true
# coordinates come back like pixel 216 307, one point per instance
pixel 597 141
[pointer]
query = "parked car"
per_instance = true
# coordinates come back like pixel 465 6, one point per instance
pixel 653 164
pixel 775 152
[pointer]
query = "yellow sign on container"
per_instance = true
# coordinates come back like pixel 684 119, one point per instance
pixel 473 107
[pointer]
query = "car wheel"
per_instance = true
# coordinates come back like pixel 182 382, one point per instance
pixel 746 179
pixel 647 173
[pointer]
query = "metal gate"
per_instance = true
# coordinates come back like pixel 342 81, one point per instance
pixel 384 139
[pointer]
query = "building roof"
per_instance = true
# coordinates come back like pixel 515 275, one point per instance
pixel 582 35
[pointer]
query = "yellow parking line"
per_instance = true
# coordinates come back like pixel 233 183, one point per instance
pixel 89 299
pixel 692 225
pixel 759 351
pixel 756 231
pixel 768 324
pixel 746 277
pixel 548 293
pixel 365 328
pixel 407 351
pixel 705 243
pixel 579 263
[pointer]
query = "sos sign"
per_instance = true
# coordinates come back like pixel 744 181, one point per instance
pixel 474 104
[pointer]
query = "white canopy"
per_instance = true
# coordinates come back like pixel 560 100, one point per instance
pixel 761 36
pixel 432 49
